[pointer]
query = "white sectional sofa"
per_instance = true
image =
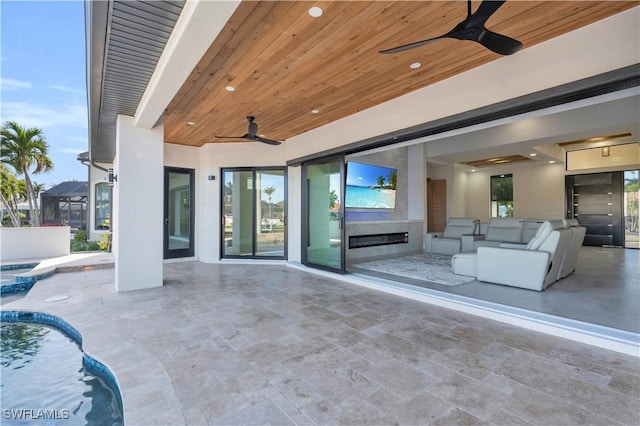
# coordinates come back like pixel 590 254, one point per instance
pixel 549 256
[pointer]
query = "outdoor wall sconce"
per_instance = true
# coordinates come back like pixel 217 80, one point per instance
pixel 605 151
pixel 112 178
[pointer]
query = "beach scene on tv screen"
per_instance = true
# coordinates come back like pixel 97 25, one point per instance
pixel 370 187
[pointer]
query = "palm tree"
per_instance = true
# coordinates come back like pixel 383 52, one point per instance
pixel 8 188
pixel 393 179
pixel 269 190
pixel 23 148
pixel 380 181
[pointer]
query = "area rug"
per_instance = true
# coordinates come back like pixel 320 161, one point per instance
pixel 428 267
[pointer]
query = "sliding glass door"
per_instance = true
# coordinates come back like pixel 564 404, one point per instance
pixel 254 213
pixel 323 218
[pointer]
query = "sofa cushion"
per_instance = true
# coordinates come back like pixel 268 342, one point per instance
pixel 504 229
pixel 456 226
pixel 570 223
pixel 530 228
pixel 543 232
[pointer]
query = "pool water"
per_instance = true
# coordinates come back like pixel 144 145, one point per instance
pixel 44 381
pixel 9 276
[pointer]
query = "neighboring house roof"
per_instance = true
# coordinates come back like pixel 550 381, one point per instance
pixel 68 189
pixel 83 156
pixel 124 42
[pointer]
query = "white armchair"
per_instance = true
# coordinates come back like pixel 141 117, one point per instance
pixel 450 241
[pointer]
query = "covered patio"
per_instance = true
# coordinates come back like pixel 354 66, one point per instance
pixel 249 344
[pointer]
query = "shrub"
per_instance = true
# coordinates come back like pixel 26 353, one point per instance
pixel 104 242
pixel 80 243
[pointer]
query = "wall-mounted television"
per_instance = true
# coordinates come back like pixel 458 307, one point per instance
pixel 370 187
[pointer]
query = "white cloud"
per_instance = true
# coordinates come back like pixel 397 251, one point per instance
pixel 9 84
pixel 67 89
pixel 74 151
pixel 81 139
pixel 44 117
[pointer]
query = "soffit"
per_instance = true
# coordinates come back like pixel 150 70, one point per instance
pixel 133 35
pixel 283 63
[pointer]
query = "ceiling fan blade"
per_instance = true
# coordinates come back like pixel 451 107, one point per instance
pixel 233 137
pixel 484 12
pixel 267 141
pixel 499 43
pixel 412 45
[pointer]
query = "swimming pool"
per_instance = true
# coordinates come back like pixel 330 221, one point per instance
pixel 46 377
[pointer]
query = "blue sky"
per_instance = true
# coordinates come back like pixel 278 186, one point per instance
pixel 43 78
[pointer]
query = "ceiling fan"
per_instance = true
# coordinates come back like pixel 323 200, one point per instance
pixel 251 134
pixel 472 28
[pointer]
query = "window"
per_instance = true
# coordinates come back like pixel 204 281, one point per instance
pixel 102 206
pixel 502 196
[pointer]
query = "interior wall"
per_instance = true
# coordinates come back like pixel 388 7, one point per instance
pixel 538 191
pixel 625 156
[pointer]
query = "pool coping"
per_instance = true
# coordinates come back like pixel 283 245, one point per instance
pixel 45 268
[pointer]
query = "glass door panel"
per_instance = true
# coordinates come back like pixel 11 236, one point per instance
pixel 254 213
pixel 631 195
pixel 238 217
pixel 323 227
pixel 178 213
pixel 270 212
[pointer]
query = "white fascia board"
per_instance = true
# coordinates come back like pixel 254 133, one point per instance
pixel 196 29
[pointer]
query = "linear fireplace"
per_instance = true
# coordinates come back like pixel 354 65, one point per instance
pixel 358 241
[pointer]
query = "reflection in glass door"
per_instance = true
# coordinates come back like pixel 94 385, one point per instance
pixel 254 213
pixel 631 195
pixel 178 213
pixel 323 227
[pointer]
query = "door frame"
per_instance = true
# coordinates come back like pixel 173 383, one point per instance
pixel 190 251
pixel 340 158
pixel 253 255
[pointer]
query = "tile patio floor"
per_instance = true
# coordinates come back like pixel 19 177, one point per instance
pixel 252 344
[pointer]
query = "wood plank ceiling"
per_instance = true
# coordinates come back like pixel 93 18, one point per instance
pixel 283 63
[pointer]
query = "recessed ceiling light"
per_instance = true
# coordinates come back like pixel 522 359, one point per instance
pixel 316 12
pixel 315 111
pixel 551 161
pixel 190 123
pixel 230 89
pixel 473 170
pixel 415 65
pixel 533 154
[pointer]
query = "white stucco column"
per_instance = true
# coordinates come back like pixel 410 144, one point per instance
pixel 417 182
pixel 294 214
pixel 138 206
